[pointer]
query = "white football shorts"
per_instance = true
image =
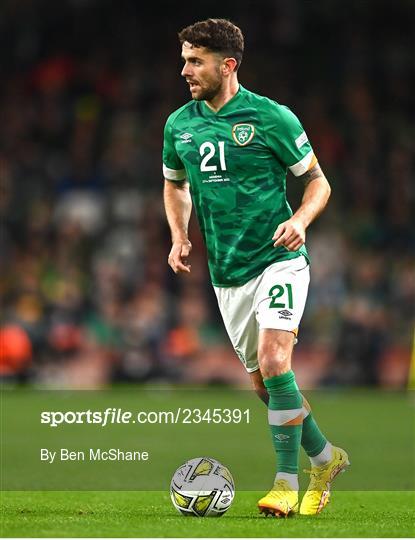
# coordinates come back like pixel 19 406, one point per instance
pixel 274 299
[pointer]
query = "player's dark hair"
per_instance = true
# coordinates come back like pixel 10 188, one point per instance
pixel 217 35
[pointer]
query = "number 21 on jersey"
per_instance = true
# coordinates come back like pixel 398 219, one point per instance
pixel 208 151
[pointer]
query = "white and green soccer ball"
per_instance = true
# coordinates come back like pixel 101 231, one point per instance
pixel 202 487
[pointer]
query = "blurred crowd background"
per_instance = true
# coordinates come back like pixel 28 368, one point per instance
pixel 86 86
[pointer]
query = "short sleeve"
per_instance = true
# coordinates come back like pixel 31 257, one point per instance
pixel 173 168
pixel 289 141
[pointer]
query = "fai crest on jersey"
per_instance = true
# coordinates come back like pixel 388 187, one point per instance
pixel 243 133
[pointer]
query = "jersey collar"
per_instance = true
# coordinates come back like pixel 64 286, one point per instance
pixel 229 105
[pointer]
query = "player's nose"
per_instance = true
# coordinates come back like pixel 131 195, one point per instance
pixel 185 70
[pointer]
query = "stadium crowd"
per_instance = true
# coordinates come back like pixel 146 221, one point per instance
pixel 87 295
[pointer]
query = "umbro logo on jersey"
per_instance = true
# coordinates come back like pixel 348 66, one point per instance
pixel 186 137
pixel 285 313
pixel 243 133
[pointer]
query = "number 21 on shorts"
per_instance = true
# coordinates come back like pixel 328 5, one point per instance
pixel 279 291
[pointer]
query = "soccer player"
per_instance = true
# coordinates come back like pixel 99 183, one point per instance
pixel 229 150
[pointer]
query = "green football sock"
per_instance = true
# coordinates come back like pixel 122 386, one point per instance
pixel 285 417
pixel 312 439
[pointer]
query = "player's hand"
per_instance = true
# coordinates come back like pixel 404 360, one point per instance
pixel 179 253
pixel 290 234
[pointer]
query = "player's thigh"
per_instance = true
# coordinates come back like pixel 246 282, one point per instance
pixel 236 305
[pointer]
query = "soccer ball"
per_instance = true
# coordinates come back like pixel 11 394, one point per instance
pixel 202 487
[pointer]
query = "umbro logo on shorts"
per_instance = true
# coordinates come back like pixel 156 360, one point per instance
pixel 285 314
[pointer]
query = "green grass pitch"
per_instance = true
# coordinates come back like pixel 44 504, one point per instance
pixel 138 514
pixel 374 498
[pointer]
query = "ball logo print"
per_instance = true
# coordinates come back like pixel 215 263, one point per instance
pixel 202 487
pixel 243 133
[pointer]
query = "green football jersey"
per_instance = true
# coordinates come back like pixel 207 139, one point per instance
pixel 236 162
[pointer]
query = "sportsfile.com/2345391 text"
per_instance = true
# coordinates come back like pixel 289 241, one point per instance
pixel 113 415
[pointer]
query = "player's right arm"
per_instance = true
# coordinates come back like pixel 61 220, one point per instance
pixel 178 206
pixel 177 202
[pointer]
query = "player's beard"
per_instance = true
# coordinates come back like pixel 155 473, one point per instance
pixel 212 90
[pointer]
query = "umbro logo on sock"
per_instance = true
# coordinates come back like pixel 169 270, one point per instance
pixel 281 437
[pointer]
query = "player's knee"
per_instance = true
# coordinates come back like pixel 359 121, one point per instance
pixel 274 352
pixel 274 360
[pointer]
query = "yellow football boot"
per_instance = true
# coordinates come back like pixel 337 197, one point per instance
pixel 281 501
pixel 317 495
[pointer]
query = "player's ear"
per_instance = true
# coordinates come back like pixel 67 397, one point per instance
pixel 229 65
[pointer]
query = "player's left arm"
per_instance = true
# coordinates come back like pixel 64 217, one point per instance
pixel 291 233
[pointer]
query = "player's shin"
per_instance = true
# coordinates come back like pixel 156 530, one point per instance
pixel 285 417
